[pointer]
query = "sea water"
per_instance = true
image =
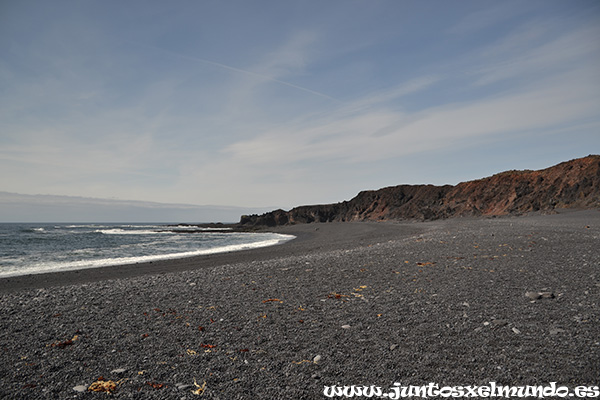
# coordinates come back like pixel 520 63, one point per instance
pixel 38 248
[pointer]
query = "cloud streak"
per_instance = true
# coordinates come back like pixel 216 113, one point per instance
pixel 274 66
pixel 370 133
pixel 306 107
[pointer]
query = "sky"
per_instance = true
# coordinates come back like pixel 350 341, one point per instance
pixel 270 103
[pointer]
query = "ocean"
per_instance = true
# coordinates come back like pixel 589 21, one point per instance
pixel 37 248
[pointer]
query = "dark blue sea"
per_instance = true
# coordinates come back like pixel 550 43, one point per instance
pixel 37 248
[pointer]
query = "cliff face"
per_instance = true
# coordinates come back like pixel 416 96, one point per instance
pixel 571 184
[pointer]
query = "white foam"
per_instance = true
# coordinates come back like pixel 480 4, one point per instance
pixel 82 226
pixel 86 264
pixel 119 231
pixel 197 228
pixel 98 226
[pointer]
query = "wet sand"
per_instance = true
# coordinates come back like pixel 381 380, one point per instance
pixel 371 303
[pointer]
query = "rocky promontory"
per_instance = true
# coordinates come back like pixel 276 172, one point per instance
pixel 571 184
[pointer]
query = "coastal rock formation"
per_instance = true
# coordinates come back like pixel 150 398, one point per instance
pixel 571 184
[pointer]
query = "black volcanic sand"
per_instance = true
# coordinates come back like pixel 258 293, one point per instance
pixel 376 303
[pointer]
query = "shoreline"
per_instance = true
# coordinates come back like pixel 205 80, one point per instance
pixel 304 241
pixel 267 240
pixel 455 302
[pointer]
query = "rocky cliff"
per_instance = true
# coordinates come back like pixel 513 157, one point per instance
pixel 571 184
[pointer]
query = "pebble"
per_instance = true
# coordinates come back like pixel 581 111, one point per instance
pixel 539 295
pixel 80 388
pixel 515 330
pixel 532 295
pixel 182 386
pixel 346 326
pixel 392 347
pixel 118 371
pixel 317 359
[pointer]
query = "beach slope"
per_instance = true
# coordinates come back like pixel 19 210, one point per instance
pixel 464 301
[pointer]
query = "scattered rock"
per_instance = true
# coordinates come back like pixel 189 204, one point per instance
pixel 80 388
pixel 182 386
pixel 539 295
pixel 532 295
pixel 394 346
pixel 317 359
pixel 345 326
pixel 118 371
pixel 515 330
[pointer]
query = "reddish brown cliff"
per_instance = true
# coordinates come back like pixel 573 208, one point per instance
pixel 571 184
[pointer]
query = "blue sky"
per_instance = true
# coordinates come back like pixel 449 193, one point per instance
pixel 284 103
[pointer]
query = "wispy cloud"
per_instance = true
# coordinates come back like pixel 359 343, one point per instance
pixel 191 109
pixel 16 207
pixel 486 18
pixel 532 53
pixel 371 129
pixel 288 59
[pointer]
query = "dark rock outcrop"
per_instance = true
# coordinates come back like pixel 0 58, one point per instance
pixel 571 184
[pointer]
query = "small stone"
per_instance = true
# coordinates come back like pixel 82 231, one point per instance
pixel 392 347
pixel 532 295
pixel 539 295
pixel 345 326
pixel 80 388
pixel 500 322
pixel 118 371
pixel 182 386
pixel 317 359
pixel 515 330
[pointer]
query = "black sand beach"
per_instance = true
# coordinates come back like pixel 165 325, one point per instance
pixel 343 304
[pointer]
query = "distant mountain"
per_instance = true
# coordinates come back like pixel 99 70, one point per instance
pixel 16 207
pixel 571 184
